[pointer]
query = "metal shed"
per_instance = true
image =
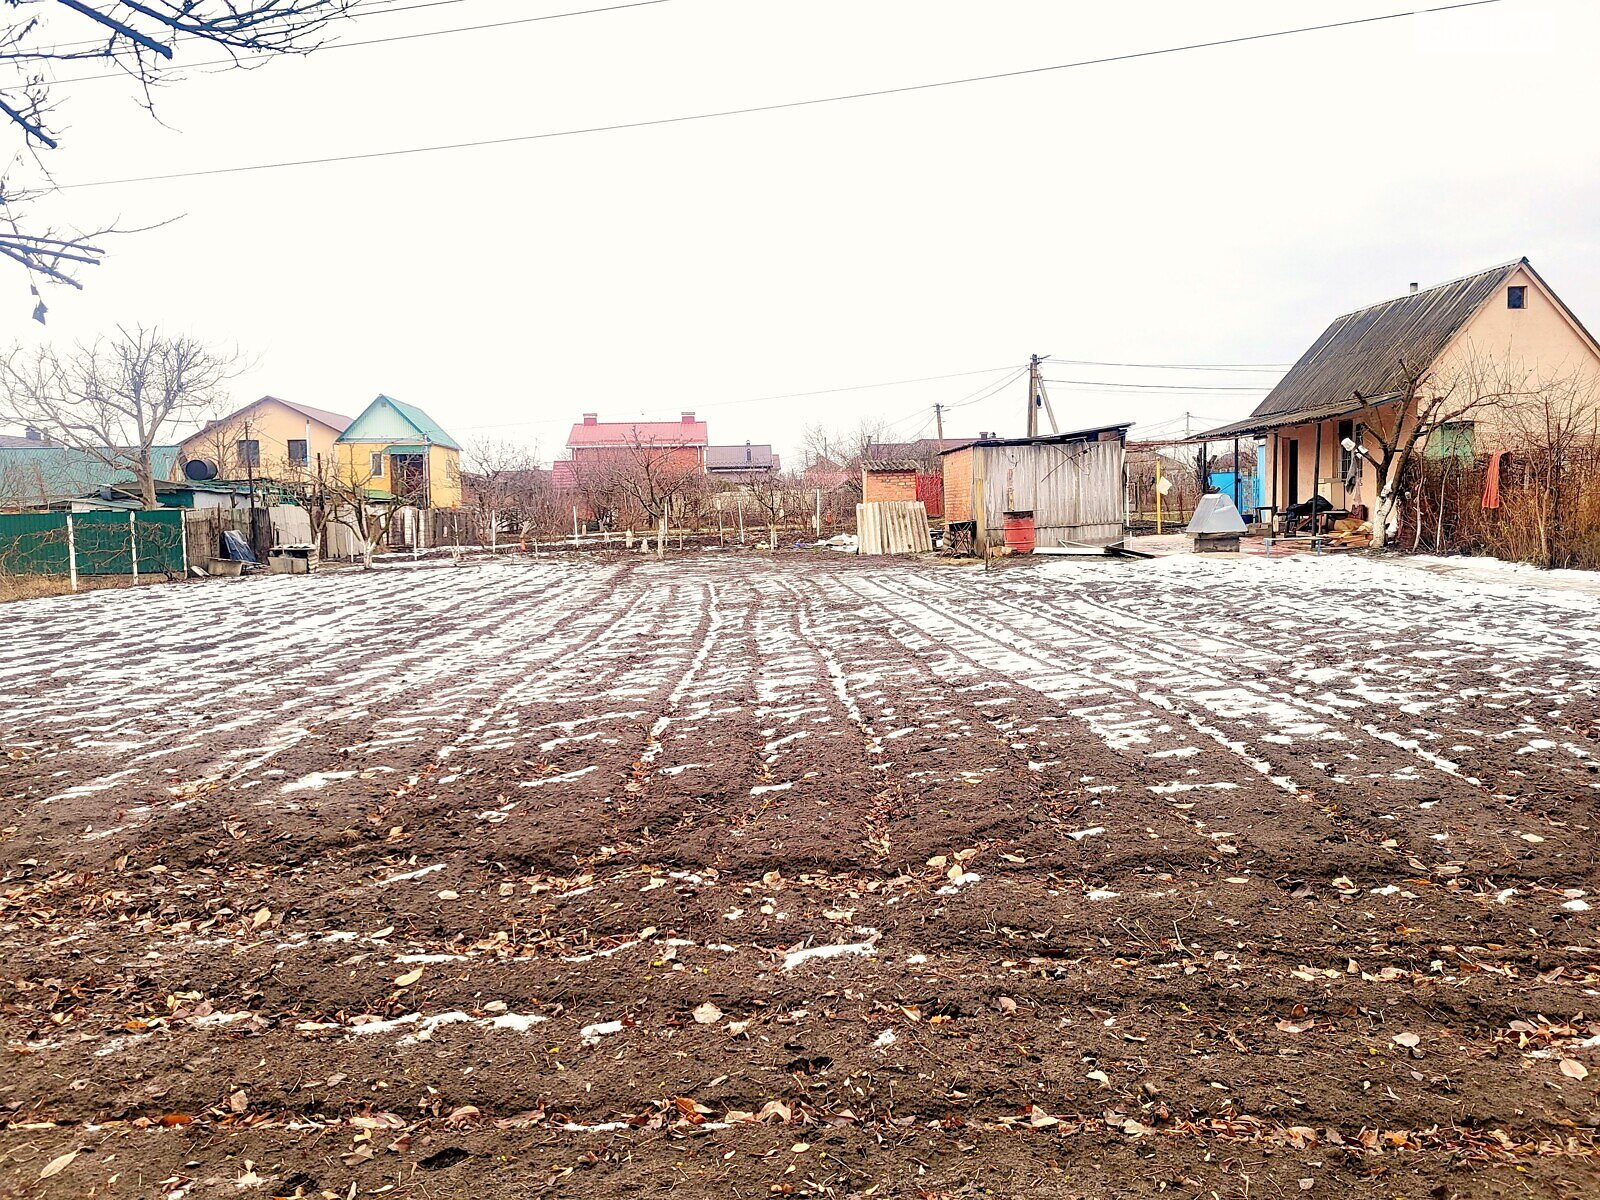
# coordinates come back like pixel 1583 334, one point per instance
pixel 1074 484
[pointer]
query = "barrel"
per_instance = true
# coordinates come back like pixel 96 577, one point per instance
pixel 1019 532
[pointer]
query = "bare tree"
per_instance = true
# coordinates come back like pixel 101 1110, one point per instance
pixel 1427 404
pixel 117 398
pixel 137 39
pixel 367 511
pixel 774 496
pixel 842 450
pixel 500 480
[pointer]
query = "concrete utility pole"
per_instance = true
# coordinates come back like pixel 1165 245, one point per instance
pixel 938 421
pixel 1033 397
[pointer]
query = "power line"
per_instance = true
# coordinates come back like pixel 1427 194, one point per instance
pixel 397 37
pixel 1155 387
pixel 857 387
pixel 789 104
pixel 1089 362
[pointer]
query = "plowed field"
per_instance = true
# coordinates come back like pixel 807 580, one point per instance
pixel 733 876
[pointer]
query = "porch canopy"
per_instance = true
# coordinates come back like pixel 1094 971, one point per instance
pixel 1254 426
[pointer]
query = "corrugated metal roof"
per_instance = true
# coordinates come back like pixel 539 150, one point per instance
pixel 1319 412
pixel 748 457
pixel 645 433
pixel 1053 439
pixel 892 465
pixel 372 426
pixel 1362 352
pixel 35 475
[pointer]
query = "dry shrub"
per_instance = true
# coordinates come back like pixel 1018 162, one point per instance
pixel 1549 512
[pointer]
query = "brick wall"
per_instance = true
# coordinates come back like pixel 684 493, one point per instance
pixel 889 485
pixel 958 485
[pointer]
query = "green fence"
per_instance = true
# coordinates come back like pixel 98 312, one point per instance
pixel 92 543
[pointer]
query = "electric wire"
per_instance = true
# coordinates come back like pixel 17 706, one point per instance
pixel 365 156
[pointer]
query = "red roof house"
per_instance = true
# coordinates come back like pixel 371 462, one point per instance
pixel 593 440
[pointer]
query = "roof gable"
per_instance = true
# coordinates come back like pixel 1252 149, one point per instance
pixel 388 420
pixel 1372 350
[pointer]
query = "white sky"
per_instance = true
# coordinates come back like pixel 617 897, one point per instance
pixel 1218 206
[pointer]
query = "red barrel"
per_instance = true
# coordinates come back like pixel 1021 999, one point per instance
pixel 1019 532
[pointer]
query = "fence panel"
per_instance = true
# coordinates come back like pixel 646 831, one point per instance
pixel 103 542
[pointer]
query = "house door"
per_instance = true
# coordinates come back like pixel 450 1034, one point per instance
pixel 1292 477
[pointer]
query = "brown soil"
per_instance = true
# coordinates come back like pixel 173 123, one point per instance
pixel 1207 879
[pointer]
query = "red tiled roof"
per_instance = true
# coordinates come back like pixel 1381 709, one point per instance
pixel 564 475
pixel 646 433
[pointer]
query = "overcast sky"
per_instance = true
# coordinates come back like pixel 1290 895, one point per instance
pixel 1211 207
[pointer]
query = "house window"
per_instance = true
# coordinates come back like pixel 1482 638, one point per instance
pixel 1349 460
pixel 297 452
pixel 1516 297
pixel 1453 439
pixel 377 464
pixel 249 450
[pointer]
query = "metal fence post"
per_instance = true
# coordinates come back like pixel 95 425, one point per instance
pixel 133 543
pixel 72 556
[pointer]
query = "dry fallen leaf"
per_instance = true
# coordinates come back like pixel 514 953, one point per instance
pixel 1573 1069
pixel 1099 1077
pixel 57 1165
pixel 239 1101
pixel 408 978
pixel 1408 1040
pixel 263 915
pixel 707 1014
pixel 1295 1026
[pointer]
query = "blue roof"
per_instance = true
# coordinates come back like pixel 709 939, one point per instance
pixel 37 475
pixel 388 420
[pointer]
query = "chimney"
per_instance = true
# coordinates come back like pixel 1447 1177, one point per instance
pixel 747 452
pixel 33 435
pixel 688 418
pixel 591 418
pixel 1413 289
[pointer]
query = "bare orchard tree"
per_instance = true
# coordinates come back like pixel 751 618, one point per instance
pixel 643 478
pixel 844 449
pixel 1427 403
pixel 138 40
pixel 370 512
pixel 117 398
pixel 499 480
pixel 775 497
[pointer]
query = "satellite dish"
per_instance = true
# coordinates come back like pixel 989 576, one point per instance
pixel 199 470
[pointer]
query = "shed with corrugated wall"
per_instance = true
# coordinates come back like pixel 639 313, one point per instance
pixel 1074 484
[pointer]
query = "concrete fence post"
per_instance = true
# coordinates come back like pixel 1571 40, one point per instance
pixel 72 557
pixel 133 543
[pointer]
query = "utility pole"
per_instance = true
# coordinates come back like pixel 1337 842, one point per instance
pixel 938 421
pixel 1038 398
pixel 1033 397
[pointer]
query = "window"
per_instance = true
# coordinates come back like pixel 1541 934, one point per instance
pixel 1349 460
pixel 1453 439
pixel 249 450
pixel 377 464
pixel 1516 297
pixel 297 452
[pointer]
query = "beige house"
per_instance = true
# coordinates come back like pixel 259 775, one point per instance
pixel 267 439
pixel 1500 330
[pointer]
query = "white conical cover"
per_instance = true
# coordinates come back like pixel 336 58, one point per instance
pixel 1216 514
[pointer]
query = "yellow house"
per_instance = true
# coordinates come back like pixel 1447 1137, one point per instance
pixel 397 451
pixel 1477 357
pixel 268 439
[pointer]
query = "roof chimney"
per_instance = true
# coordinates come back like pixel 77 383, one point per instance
pixel 32 434
pixel 1413 289
pixel 591 418
pixel 688 418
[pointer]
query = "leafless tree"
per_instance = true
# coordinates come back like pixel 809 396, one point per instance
pixel 502 483
pixel 117 398
pixel 139 41
pixel 775 497
pixel 842 451
pixel 367 511
pixel 1428 401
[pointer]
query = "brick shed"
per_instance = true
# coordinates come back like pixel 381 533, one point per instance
pixel 902 479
